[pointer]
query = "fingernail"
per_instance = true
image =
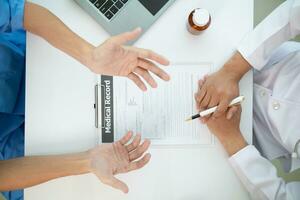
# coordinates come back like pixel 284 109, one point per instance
pixel 167 61
pixel 167 77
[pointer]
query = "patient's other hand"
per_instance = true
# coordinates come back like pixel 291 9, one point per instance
pixel 108 160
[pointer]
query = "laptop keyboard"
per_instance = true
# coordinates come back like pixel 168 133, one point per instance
pixel 109 8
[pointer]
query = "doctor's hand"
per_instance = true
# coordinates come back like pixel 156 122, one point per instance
pixel 107 160
pixel 228 131
pixel 220 88
pixel 115 59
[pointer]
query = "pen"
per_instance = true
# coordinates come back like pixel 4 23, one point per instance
pixel 236 101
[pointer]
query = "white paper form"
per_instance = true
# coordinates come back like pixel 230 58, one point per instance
pixel 159 114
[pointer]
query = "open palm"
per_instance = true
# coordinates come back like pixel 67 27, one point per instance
pixel 114 59
pixel 111 159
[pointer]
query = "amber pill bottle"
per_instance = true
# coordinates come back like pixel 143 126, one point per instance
pixel 198 21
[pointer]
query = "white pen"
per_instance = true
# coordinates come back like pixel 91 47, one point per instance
pixel 236 101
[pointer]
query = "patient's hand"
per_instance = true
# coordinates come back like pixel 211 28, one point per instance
pixel 108 160
pixel 115 59
pixel 228 131
pixel 110 58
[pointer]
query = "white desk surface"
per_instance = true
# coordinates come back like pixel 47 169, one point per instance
pixel 60 97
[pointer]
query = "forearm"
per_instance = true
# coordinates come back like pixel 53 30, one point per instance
pixel 43 23
pixel 29 171
pixel 232 142
pixel 237 65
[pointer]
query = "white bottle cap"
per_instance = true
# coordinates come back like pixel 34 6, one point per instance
pixel 201 17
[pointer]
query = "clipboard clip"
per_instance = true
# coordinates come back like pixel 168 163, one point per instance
pixel 96 106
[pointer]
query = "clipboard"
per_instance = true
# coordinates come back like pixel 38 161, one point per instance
pixel 120 106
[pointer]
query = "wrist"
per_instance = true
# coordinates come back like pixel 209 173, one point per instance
pixel 86 55
pixel 66 165
pixel 237 66
pixel 79 163
pixel 233 142
pixel 88 161
pixel 92 156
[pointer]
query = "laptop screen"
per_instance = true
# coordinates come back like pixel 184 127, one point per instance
pixel 153 6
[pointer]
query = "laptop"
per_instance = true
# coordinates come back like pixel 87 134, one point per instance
pixel 118 16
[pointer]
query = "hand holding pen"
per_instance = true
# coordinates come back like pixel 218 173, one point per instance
pixel 204 113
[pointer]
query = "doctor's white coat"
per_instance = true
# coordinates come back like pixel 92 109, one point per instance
pixel 276 117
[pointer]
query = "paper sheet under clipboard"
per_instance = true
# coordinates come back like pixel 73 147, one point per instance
pixel 158 114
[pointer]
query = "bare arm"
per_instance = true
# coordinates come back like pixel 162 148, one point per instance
pixel 104 161
pixel 112 57
pixel 42 22
pixel 28 171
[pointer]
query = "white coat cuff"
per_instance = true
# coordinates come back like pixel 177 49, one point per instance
pixel 244 157
pixel 257 62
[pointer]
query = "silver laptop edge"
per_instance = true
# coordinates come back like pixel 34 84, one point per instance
pixel 125 20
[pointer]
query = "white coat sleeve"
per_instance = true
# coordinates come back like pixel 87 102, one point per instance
pixel 280 26
pixel 260 178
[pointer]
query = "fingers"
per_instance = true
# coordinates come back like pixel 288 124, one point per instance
pixel 126 138
pixel 139 151
pixel 202 99
pixel 197 96
pixel 148 54
pixel 116 183
pixel 146 76
pixel 222 108
pixel 150 66
pixel 205 101
pixel 212 103
pixel 137 81
pixel 200 83
pixel 200 95
pixel 126 37
pixel 143 70
pixel 231 112
pixel 134 144
pixel 140 163
pixel 197 104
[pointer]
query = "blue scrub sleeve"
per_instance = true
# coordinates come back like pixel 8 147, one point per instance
pixel 17 14
pixel 11 24
pixel 12 83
